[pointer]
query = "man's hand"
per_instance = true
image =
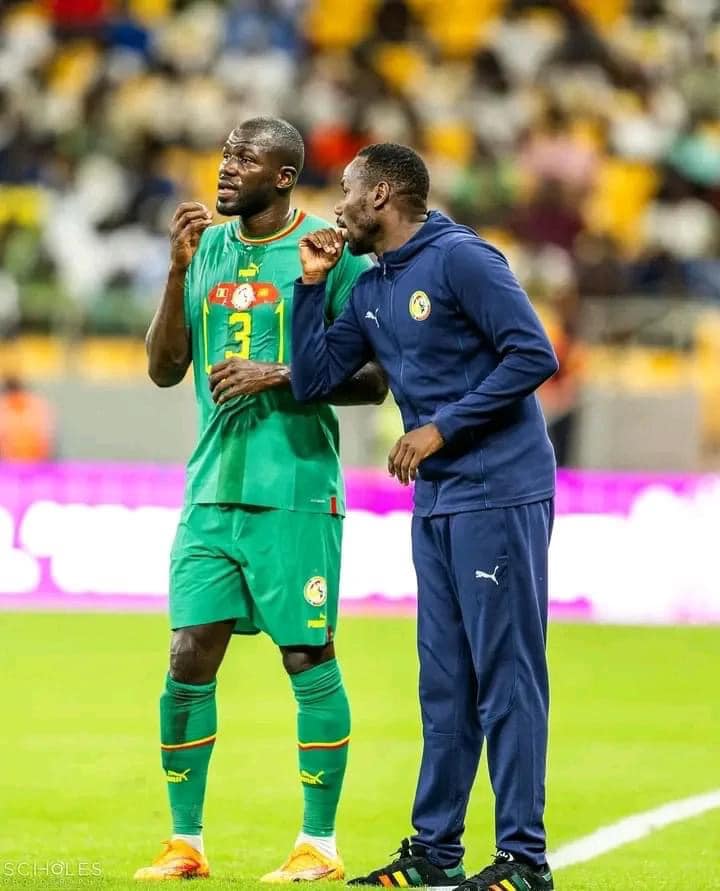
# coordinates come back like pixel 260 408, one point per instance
pixel 189 222
pixel 319 252
pixel 243 377
pixel 411 449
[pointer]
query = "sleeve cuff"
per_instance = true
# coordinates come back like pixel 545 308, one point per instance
pixel 309 290
pixel 445 423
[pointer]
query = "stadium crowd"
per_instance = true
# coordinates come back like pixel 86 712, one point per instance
pixel 582 136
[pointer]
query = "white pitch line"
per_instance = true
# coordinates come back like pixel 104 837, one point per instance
pixel 630 829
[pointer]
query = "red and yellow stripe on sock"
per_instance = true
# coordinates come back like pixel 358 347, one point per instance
pixel 192 744
pixel 337 744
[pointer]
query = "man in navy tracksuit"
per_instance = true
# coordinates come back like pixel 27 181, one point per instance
pixel 464 353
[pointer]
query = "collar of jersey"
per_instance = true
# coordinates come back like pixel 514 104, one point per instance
pixel 297 218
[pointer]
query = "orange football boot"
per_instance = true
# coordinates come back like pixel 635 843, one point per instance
pixel 307 864
pixel 177 861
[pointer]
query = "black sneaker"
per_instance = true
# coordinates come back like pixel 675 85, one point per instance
pixel 411 868
pixel 506 873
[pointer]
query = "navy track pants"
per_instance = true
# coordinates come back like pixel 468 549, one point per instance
pixel 482 625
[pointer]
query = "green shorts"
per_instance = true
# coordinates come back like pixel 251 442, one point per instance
pixel 276 571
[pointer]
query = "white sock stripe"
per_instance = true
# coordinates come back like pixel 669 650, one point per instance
pixel 324 843
pixel 195 841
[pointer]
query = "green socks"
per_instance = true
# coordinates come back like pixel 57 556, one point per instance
pixel 323 725
pixel 188 724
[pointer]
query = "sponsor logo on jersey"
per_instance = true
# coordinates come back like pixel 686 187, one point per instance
pixel 251 271
pixel 243 296
pixel 420 306
pixel 174 777
pixel 316 590
pixel 320 622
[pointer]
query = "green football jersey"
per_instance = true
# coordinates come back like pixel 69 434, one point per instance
pixel 266 450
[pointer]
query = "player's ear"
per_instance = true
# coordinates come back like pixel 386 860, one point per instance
pixel 381 195
pixel 287 177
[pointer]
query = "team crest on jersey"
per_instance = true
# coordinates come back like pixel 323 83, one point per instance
pixel 243 296
pixel 316 590
pixel 420 306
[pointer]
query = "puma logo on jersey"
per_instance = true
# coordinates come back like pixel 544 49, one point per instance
pixel 479 574
pixel 174 777
pixel 250 271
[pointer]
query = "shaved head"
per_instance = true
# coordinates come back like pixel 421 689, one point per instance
pixel 276 136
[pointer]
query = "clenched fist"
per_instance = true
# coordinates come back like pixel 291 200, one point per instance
pixel 319 253
pixel 189 222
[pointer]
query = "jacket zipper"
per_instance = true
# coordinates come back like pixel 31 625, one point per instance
pixel 399 347
pixel 435 488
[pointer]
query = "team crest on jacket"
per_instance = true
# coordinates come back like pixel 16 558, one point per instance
pixel 420 306
pixel 316 590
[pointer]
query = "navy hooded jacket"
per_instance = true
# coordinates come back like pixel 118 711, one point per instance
pixel 462 347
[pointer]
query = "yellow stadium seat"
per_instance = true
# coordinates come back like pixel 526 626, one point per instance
pixel 399 64
pixel 707 374
pixel 201 176
pixel 74 67
pixel 22 205
pixel 638 368
pixel 503 239
pixel 103 358
pixel 36 8
pixel 33 357
pixel 150 11
pixel 451 140
pixel 604 13
pixel 621 194
pixel 459 27
pixel 327 27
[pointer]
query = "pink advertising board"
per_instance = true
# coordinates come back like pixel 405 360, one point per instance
pixel 626 547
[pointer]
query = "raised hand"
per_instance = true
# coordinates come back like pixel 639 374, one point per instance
pixel 189 222
pixel 319 252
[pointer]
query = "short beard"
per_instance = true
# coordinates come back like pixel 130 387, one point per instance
pixel 227 208
pixel 358 248
pixel 246 206
pixel 365 243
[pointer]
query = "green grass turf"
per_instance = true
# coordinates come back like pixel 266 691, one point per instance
pixel 635 723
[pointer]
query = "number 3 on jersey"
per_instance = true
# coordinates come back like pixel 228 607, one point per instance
pixel 241 328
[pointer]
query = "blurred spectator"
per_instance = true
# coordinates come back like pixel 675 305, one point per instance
pixel 550 217
pixel 27 425
pixel 560 396
pixel 483 188
pixel 600 270
pixel 553 153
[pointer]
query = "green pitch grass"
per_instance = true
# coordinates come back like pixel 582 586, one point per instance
pixel 635 724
